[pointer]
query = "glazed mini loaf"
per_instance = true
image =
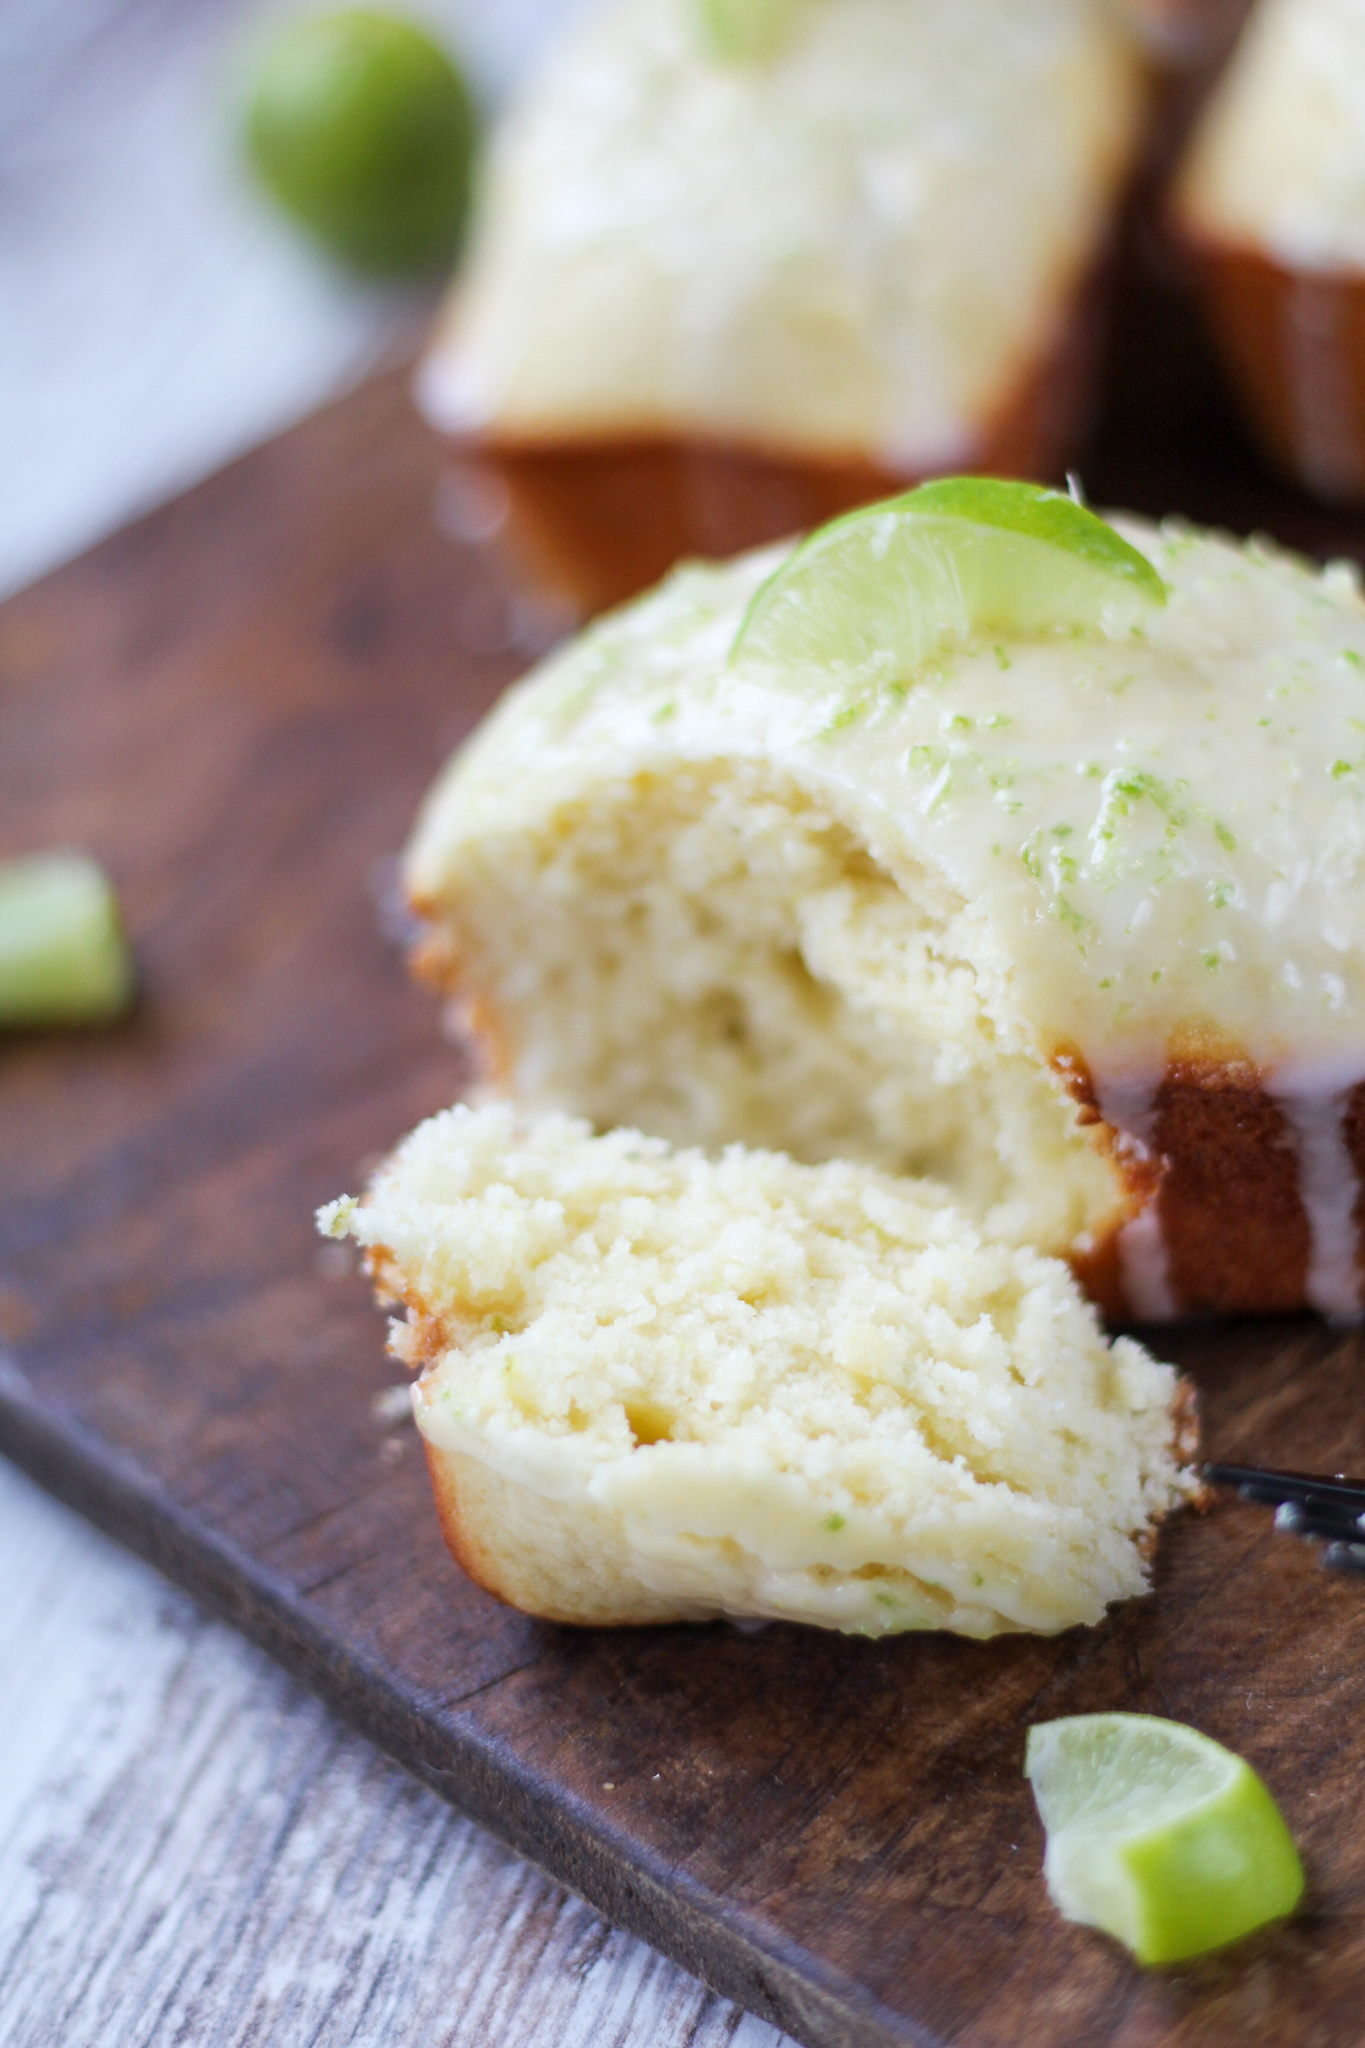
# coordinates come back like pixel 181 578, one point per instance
pixel 715 294
pixel 658 1386
pixel 1072 922
pixel 1271 206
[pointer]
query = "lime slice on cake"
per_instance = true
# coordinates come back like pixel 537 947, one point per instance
pixel 1158 1835
pixel 874 594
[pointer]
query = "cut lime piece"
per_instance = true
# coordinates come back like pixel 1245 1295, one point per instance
pixel 875 593
pixel 361 127
pixel 1158 1835
pixel 63 956
pixel 745 31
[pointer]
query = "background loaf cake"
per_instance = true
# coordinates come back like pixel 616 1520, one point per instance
pixel 713 297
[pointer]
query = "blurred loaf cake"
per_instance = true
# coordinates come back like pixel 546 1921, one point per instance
pixel 658 1386
pixel 1186 34
pixel 1073 925
pixel 715 294
pixel 1270 205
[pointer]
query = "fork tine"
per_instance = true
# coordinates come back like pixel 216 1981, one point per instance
pixel 1298 1518
pixel 1344 1557
pixel 1306 1504
pixel 1314 1490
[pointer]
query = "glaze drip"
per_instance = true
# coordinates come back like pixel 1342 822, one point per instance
pixel 1329 1188
pixel 1129 1105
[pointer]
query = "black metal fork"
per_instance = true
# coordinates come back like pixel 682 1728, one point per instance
pixel 1306 1504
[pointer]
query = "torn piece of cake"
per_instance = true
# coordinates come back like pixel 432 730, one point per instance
pixel 1070 917
pixel 659 1386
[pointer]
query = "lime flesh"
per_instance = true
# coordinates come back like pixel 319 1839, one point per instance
pixel 873 595
pixel 63 956
pixel 1158 1835
pixel 743 31
pixel 361 128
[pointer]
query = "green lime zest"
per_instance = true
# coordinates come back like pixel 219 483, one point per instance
pixel 63 956
pixel 334 1218
pixel 362 129
pixel 871 597
pixel 745 31
pixel 1158 1834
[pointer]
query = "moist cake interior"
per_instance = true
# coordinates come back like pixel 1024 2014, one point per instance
pixel 711 958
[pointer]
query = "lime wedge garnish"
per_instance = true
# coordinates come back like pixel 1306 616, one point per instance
pixel 873 594
pixel 1158 1835
pixel 743 31
pixel 63 956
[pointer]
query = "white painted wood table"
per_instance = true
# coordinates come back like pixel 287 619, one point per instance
pixel 192 1849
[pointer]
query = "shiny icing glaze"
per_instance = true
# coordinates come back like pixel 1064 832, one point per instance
pixel 809 253
pixel 1160 837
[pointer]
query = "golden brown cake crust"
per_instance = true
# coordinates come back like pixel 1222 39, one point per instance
pixel 1225 1176
pixel 597 521
pixel 536 1554
pixel 1293 342
pixel 1223 1171
pixel 558 1563
pixel 1236 1232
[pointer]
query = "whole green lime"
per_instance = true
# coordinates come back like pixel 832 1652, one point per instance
pixel 360 126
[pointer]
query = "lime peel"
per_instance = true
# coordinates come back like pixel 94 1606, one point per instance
pixel 1158 1835
pixel 872 596
pixel 362 128
pixel 63 956
pixel 745 31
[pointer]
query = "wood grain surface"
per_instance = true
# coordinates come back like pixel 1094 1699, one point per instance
pixel 236 704
pixel 194 1849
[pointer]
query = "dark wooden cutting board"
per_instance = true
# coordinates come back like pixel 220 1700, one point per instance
pixel 236 704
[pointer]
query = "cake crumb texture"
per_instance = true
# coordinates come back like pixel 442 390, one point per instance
pixel 661 1385
pixel 988 923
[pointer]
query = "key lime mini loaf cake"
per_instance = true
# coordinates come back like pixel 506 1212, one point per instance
pixel 977 839
pixel 1271 204
pixel 659 1386
pixel 738 264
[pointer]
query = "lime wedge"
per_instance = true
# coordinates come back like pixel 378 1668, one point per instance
pixel 1158 1835
pixel 744 31
pixel 63 956
pixel 876 592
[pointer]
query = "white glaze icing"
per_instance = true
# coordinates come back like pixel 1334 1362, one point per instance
pixel 1159 841
pixel 1315 1104
pixel 1128 1103
pixel 1157 835
pixel 800 253
pixel 1144 1264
